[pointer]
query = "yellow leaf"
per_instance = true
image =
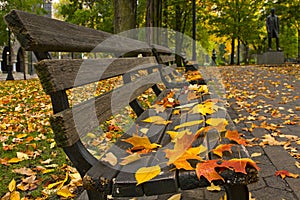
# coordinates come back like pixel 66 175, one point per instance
pixel 175 134
pixel 146 173
pixel 255 155
pixel 23 135
pixel 52 145
pixel 46 171
pixel 176 112
pixel 131 158
pixel 64 192
pixel 12 185
pixel 213 187
pixel 156 120
pixel 175 197
pixel 15 195
pixel 216 121
pixel 205 108
pixel 53 185
pixel 187 124
pixel 14 160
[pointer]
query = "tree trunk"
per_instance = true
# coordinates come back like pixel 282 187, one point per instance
pixel 298 45
pixel 154 19
pixel 232 51
pixel 238 52
pixel 125 16
pixel 178 46
pixel 164 41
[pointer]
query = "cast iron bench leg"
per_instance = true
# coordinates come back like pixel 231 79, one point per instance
pixel 237 192
pixel 94 195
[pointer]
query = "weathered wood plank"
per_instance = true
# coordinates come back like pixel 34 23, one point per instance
pixel 38 33
pixel 58 75
pixel 125 182
pixel 167 58
pixel 71 123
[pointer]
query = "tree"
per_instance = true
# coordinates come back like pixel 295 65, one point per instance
pixel 125 15
pixel 33 6
pixel 235 20
pixel 96 14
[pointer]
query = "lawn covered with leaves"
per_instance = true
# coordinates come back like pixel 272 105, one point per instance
pixel 31 165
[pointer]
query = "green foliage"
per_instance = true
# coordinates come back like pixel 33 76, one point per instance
pixel 6 6
pixel 93 14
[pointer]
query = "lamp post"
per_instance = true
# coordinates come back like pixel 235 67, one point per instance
pixel 194 31
pixel 8 60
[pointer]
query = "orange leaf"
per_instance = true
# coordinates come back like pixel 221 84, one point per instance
pixel 239 164
pixel 234 135
pixel 141 143
pixel 191 153
pixel 207 170
pixel 285 173
pixel 181 146
pixel 221 148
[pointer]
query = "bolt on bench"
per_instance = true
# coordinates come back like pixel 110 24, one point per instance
pixel 183 117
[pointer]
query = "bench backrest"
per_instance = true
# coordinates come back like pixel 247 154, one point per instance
pixel 43 35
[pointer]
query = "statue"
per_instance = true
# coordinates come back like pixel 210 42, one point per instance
pixel 273 29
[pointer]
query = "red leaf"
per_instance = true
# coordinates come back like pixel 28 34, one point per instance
pixel 239 164
pixel 207 169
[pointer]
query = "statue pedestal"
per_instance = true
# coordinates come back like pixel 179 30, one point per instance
pixel 271 57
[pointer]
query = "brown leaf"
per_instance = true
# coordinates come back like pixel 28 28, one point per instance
pixel 234 135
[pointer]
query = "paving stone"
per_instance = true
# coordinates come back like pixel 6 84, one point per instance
pixel 268 193
pixel 279 157
pixel 277 182
pixel 294 184
pixel 258 185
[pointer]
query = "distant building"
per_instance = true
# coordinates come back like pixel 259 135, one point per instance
pixel 22 61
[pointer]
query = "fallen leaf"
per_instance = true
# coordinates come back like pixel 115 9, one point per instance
pixel 64 192
pixel 129 159
pixel 234 136
pixel 139 143
pixel 14 160
pixel 12 185
pixel 147 173
pixel 181 146
pixel 110 158
pixel 285 173
pixel 216 121
pixel 207 170
pixel 156 120
pixel 213 187
pixel 255 155
pixel 24 171
pixel 221 148
pixel 187 124
pixel 239 164
pixel 15 195
pixel 175 197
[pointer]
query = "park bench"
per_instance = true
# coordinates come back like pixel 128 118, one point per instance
pixel 70 124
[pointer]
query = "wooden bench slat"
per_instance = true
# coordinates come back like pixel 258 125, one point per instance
pixel 167 58
pixel 72 123
pixel 42 34
pixel 56 75
pixel 125 182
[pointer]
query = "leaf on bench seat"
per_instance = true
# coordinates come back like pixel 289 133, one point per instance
pixel 141 144
pixel 207 169
pixel 147 173
pixel 157 120
pixel 221 148
pixel 187 124
pixel 205 108
pixel 131 158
